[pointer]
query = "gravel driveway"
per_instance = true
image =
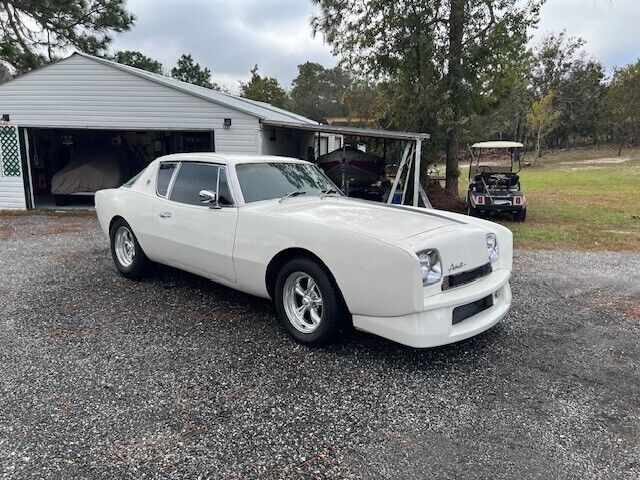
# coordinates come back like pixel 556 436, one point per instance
pixel 175 376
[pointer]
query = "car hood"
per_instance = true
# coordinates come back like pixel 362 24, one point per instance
pixel 386 222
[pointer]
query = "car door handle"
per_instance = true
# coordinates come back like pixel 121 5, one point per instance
pixel 165 215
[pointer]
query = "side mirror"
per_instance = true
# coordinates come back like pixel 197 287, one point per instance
pixel 210 198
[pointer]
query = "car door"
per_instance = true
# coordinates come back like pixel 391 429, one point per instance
pixel 148 205
pixel 199 237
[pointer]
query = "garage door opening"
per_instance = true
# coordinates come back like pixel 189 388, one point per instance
pixel 67 166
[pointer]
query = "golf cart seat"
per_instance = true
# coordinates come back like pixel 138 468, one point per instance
pixel 512 180
pixel 498 180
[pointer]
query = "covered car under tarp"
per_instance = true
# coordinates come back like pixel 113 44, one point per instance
pixel 88 171
pixel 357 175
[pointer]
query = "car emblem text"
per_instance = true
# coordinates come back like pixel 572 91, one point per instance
pixel 456 266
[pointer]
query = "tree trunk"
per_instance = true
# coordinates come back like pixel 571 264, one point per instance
pixel 454 80
pixel 539 144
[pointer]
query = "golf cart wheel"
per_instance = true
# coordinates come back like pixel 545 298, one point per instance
pixel 521 215
pixel 471 211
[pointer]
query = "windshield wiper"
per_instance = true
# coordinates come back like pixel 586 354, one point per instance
pixel 328 191
pixel 295 193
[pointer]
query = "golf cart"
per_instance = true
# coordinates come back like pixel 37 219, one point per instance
pixel 496 188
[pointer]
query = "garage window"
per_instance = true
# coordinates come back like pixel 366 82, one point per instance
pixel 165 172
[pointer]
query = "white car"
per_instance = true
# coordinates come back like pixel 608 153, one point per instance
pixel 278 228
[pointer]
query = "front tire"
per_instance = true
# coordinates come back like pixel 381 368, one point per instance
pixel 127 254
pixel 309 304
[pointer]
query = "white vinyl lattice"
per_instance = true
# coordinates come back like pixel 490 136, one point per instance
pixel 9 151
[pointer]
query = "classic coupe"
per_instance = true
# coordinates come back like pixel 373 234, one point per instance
pixel 279 228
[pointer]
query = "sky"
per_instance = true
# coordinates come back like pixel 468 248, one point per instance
pixel 610 27
pixel 230 36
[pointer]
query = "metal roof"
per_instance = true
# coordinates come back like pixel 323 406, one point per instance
pixel 348 131
pixel 261 110
pixel 497 144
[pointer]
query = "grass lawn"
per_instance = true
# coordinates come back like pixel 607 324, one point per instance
pixel 580 199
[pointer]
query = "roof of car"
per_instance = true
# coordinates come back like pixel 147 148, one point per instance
pixel 497 144
pixel 227 159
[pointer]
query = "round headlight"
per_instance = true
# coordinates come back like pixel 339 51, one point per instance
pixel 492 247
pixel 430 267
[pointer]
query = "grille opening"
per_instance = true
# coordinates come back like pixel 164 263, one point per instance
pixel 470 309
pixel 469 276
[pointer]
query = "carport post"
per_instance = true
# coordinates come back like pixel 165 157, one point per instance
pixel 396 180
pixel 416 172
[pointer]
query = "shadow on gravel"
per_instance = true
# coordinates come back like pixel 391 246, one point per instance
pixel 457 355
pixel 365 346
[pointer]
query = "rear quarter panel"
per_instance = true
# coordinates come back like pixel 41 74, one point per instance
pixel 138 206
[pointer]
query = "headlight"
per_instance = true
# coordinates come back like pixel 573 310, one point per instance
pixel 430 267
pixel 492 247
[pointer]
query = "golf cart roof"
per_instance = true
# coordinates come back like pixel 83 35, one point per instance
pixel 497 144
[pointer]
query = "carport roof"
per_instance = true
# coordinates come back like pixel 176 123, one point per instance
pixel 348 131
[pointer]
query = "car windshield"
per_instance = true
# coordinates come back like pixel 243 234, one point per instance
pixel 264 181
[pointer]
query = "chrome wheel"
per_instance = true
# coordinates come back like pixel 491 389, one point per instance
pixel 125 246
pixel 303 302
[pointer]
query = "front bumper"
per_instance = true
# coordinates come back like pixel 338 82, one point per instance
pixel 434 325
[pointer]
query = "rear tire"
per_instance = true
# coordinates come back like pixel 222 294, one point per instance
pixel 127 254
pixel 521 215
pixel 309 304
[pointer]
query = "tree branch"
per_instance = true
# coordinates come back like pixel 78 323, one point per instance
pixel 15 29
pixel 492 21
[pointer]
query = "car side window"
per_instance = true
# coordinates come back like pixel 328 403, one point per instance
pixel 129 183
pixel 224 192
pixel 191 179
pixel 165 172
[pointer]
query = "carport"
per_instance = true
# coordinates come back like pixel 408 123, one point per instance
pixel 407 176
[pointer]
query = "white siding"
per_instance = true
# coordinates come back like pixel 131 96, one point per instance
pixel 252 107
pixel 12 193
pixel 79 92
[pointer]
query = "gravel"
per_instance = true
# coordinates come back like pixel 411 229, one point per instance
pixel 177 377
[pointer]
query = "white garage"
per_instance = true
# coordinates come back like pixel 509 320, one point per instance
pixel 85 123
